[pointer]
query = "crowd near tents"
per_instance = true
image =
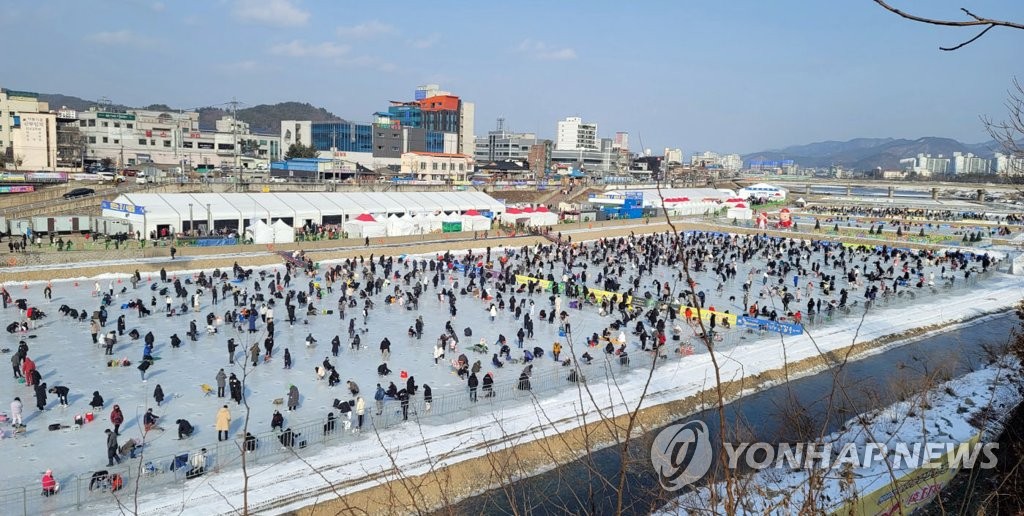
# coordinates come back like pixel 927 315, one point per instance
pixel 266 217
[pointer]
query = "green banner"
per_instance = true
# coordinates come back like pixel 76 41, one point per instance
pixel 115 116
pixel 451 227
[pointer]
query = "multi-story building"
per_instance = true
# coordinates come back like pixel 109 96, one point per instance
pixel 708 159
pixel 1008 164
pixel 502 145
pixel 575 135
pixel 433 166
pixel 71 148
pixel 135 136
pixel 28 131
pixel 673 155
pixel 621 141
pixel 925 165
pixel 539 158
pixel 969 164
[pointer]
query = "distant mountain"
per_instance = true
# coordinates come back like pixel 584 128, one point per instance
pixel 870 153
pixel 264 118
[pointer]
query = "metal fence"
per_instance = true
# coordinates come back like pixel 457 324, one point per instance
pixel 446 408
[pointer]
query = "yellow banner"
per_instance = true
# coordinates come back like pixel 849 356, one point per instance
pixel 914 489
pixel 706 314
pixel 544 284
pixel 601 295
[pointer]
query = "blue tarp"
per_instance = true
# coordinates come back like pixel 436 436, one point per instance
pixel 210 242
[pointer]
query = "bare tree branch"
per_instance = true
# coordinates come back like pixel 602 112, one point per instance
pixel 975 21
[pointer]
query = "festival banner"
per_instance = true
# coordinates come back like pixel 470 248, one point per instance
pixel 601 295
pixel 544 284
pixel 706 314
pixel 913 491
pixel 770 325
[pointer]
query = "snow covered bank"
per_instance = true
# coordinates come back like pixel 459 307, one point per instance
pixel 874 448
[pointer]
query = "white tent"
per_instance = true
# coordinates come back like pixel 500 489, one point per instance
pixel 542 217
pixel 740 212
pixel 283 232
pixel 260 233
pixel 365 226
pixel 400 226
pixel 426 223
pixel 472 220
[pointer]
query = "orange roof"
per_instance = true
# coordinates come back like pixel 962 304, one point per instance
pixel 440 103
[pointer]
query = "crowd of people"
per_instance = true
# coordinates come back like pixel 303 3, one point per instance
pixel 888 212
pixel 597 291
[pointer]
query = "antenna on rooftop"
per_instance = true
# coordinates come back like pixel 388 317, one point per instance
pixel 501 124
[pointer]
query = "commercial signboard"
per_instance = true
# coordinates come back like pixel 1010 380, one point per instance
pixel 116 116
pixel 123 207
pixel 17 189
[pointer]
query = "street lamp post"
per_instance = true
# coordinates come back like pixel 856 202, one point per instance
pixel 191 220
pixel 209 219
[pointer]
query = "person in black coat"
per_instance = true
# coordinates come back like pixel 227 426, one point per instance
pixel 62 394
pixel 428 397
pixel 97 401
pixel 231 351
pixel 335 345
pixel 277 421
pixel 403 397
pixel 235 386
pixel 185 428
pixel 41 396
pixel 410 385
pixel 488 387
pixel 158 394
pixel 473 383
pixel 382 370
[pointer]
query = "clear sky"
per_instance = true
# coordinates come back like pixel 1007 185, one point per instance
pixel 732 76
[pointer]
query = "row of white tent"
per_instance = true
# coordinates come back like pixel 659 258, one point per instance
pixel 236 211
pixel 366 225
pixel 539 216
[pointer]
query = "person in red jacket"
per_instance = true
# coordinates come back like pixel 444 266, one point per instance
pixel 27 366
pixel 49 484
pixel 116 417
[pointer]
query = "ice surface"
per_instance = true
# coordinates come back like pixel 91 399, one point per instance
pixel 65 355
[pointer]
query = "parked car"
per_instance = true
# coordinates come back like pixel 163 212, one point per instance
pixel 79 192
pixel 109 176
pixel 278 180
pixel 141 180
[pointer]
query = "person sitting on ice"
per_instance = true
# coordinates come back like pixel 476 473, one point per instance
pixel 505 352
pixel 495 362
pixel 538 352
pixel 149 421
pixel 333 379
pixel 310 341
pixel 587 358
pixel 527 356
pixel 382 370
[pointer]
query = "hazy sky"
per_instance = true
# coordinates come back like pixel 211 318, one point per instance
pixel 732 76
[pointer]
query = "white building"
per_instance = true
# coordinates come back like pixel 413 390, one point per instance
pixel 673 155
pixel 708 159
pixel 136 137
pixel 1009 165
pixel 435 166
pixel 28 131
pixel 925 165
pixel 763 191
pixel 969 164
pixel 574 134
